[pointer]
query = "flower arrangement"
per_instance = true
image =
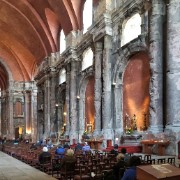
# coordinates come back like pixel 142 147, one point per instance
pixel 85 132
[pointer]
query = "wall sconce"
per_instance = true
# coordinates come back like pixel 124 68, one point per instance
pixel 64 113
pixel 57 104
pixel 78 97
pixel 114 83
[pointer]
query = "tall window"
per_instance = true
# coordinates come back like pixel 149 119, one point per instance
pixel 62 42
pixel 87 15
pixel 87 59
pixel 131 29
pixel 62 76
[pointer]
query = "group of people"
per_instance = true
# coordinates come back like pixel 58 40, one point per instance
pixel 61 151
pixel 125 168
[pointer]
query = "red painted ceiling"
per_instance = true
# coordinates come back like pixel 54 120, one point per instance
pixel 29 31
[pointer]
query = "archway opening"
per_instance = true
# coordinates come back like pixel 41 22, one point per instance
pixel 89 106
pixel 136 98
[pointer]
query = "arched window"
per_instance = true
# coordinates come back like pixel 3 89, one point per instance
pixel 131 29
pixel 87 59
pixel 87 15
pixel 62 76
pixel 62 42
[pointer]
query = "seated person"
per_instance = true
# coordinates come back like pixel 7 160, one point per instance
pixel 66 146
pixel 126 155
pixel 33 146
pixel 49 144
pixel 130 173
pixel 86 147
pixel 117 170
pixel 69 157
pixel 114 150
pixel 60 151
pixel 43 155
pixel 78 147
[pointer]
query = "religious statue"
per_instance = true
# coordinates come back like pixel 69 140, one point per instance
pixel 128 128
pixel 145 127
pixel 134 124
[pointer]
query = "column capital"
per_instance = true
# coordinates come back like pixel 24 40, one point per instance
pixel 98 46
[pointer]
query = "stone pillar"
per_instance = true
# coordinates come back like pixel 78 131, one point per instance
pixel 145 17
pixel 47 107
pixel 117 113
pixel 28 111
pixel 73 101
pixel 106 101
pixel 10 115
pixel 1 116
pixel 98 87
pixel 34 115
pixel 156 65
pixel 53 108
pixel 67 99
pixel 173 65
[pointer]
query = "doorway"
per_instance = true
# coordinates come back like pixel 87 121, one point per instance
pixel 17 133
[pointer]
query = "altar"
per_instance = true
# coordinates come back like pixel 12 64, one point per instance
pixel 95 144
pixel 131 138
pixel 148 146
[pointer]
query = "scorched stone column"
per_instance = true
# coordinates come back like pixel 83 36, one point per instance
pixel 73 101
pixel 98 87
pixel 106 102
pixel 156 65
pixel 47 107
pixel 173 65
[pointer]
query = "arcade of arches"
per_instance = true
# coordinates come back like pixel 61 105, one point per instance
pixel 119 78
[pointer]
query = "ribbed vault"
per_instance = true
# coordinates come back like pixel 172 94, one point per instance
pixel 29 31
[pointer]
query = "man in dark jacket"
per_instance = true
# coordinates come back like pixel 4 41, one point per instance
pixel 44 156
pixel 115 150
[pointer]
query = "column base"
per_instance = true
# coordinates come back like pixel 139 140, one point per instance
pixel 156 129
pixel 74 137
pixel 97 132
pixel 108 134
pixel 172 133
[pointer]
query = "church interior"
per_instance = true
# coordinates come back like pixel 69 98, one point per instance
pixel 103 70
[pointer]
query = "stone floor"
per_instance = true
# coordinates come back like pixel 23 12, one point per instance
pixel 13 169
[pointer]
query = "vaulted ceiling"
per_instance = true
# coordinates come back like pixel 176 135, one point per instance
pixel 30 31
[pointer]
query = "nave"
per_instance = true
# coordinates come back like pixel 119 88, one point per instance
pixel 13 169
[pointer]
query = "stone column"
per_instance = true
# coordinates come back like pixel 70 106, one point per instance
pixel 53 108
pixel 117 113
pixel 34 115
pixel 3 115
pixel 67 99
pixel 172 76
pixel 156 65
pixel 28 111
pixel 10 115
pixel 47 107
pixel 98 87
pixel 173 65
pixel 106 102
pixel 73 101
